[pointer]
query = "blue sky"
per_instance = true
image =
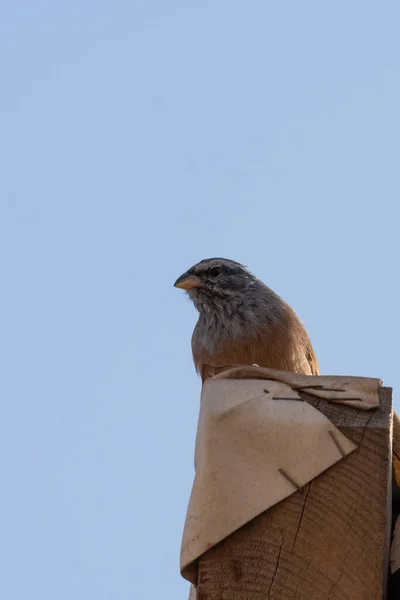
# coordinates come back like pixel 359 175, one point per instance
pixel 136 139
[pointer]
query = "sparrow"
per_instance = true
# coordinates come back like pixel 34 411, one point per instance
pixel 242 321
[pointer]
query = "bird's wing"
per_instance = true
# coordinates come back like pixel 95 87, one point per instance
pixel 312 360
pixel 285 347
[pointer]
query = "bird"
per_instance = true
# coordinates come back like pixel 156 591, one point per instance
pixel 243 322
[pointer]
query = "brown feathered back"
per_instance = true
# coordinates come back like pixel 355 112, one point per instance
pixel 286 346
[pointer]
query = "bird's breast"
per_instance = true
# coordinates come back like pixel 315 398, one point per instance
pixel 211 335
pixel 283 346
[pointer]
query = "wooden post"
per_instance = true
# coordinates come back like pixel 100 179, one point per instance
pixel 328 541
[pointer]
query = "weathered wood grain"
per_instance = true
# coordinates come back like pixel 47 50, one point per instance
pixel 328 541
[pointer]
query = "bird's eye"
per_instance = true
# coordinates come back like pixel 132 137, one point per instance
pixel 215 272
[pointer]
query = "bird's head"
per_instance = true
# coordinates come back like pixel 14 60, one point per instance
pixel 214 281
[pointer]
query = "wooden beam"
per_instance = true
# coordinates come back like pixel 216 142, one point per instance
pixel 328 541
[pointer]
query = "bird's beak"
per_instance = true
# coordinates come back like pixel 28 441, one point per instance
pixel 187 282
